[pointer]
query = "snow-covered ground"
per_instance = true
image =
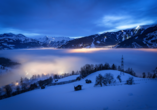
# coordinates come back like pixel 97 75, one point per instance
pixel 140 96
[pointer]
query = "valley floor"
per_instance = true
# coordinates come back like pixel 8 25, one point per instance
pixel 140 96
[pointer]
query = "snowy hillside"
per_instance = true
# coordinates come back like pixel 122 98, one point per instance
pixel 17 41
pixel 14 41
pixel 138 37
pixel 146 38
pixel 53 41
pixel 129 38
pixel 140 96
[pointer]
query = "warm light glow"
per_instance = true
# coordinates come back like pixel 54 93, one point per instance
pixel 149 50
pixel 85 50
pixel 45 73
pixel 16 84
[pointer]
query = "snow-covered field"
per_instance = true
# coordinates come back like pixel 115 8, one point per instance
pixel 140 96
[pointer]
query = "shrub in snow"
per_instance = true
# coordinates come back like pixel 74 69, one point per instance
pixel 88 81
pixel 79 87
pixel 130 81
pixel 42 87
pixel 8 90
pixel 78 78
pixel 119 78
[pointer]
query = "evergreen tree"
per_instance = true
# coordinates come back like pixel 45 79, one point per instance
pixel 38 76
pixel 100 67
pixel 106 66
pixel 130 81
pixel 73 73
pixel 149 75
pixel 155 70
pixel 18 89
pixel 21 81
pixel 8 90
pixel 114 67
pixel 144 75
pixel 119 68
pixel 154 75
pixel 0 91
pixel 24 86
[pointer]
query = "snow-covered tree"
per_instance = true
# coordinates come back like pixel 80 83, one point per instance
pixel 108 78
pixel 99 80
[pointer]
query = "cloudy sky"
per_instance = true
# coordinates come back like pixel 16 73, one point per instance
pixel 74 18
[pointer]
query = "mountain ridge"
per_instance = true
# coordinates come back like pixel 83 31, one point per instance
pixel 140 37
pixel 116 39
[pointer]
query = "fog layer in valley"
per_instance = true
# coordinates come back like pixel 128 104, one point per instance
pixel 54 61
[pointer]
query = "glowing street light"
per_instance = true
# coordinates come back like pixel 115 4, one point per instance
pixel 16 84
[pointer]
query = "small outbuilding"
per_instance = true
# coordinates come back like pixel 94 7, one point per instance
pixel 79 87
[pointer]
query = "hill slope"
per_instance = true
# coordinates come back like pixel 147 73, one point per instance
pixel 147 39
pixel 139 37
pixel 141 96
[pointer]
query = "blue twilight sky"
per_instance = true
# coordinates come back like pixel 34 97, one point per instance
pixel 74 18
